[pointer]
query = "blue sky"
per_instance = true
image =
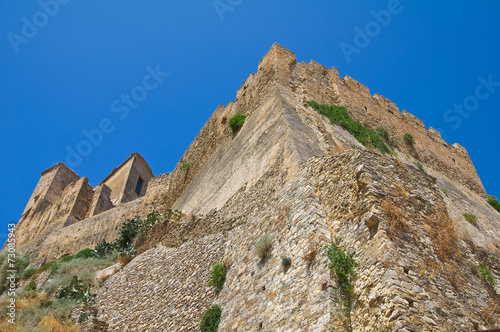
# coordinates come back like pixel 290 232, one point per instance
pixel 65 67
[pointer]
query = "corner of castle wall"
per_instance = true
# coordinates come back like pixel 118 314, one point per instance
pixel 276 55
pixel 412 120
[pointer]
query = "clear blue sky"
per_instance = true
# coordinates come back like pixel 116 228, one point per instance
pixel 68 74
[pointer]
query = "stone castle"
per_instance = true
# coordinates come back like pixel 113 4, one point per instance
pixel 287 172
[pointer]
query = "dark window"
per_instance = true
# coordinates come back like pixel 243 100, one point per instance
pixel 138 186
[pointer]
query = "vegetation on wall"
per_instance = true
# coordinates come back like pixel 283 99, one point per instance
pixel 211 318
pixel 339 115
pixel 237 121
pixel 263 246
pixel 217 276
pixel 186 165
pixel 492 200
pixel 409 140
pixel 342 265
pixel 470 218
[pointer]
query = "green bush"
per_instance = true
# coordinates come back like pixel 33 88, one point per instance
pixel 103 249
pixel 470 218
pixel 237 121
pixel 31 286
pixel 76 290
pixel 419 166
pixel 211 318
pixel 486 275
pixel 494 203
pixel 286 262
pixel 217 276
pixel 384 133
pixel 29 273
pixel 338 115
pixel 342 265
pixel 263 246
pixel 82 254
pixel 186 165
pixel 409 140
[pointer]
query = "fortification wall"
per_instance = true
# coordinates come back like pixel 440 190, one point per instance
pixel 315 82
pixel 335 195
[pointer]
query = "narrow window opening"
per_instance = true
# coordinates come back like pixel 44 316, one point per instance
pixel 138 186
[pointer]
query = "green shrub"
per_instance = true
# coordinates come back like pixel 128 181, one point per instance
pixel 286 262
pixel 263 246
pixel 211 318
pixel 419 166
pixel 237 121
pixel 29 273
pixel 76 290
pixel 384 133
pixel 486 275
pixel 31 286
pixel 342 265
pixel 494 203
pixel 217 276
pixel 409 140
pixel 338 115
pixel 103 249
pixel 186 165
pixel 470 218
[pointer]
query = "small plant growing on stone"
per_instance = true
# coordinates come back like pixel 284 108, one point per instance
pixel 494 203
pixel 29 273
pixel 486 275
pixel 263 246
pixel 186 165
pixel 31 286
pixel 211 318
pixel 384 133
pixel 217 276
pixel 419 166
pixel 470 218
pixel 237 121
pixel 445 191
pixel 286 262
pixel 342 265
pixel 409 140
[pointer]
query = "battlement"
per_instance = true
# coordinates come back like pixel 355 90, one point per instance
pixel 313 81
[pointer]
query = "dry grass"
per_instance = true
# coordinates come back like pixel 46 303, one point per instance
pixel 443 235
pixel 396 223
pixel 124 259
pixel 52 324
pixel 311 253
pixel 490 312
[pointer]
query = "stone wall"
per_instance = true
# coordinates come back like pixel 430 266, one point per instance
pixel 337 195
